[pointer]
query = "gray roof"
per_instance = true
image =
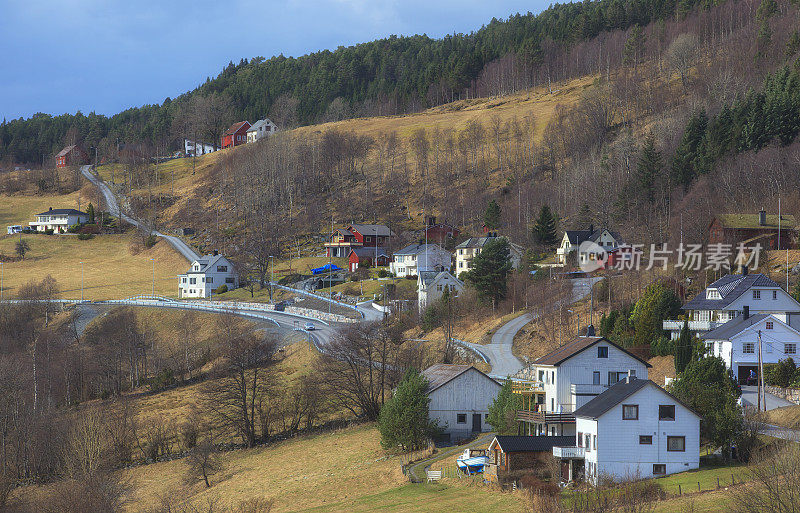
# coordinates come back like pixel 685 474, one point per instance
pixel 577 345
pixel 617 393
pixel 730 288
pixel 372 229
pixel 578 236
pixel 533 443
pixel 206 261
pixel 442 373
pixel 418 249
pixel 428 277
pixel 479 242
pixel 365 252
pixel 258 124
pixel 63 211
pixel 733 327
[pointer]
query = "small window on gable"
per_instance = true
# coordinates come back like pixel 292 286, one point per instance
pixel 749 347
pixel 774 294
pixel 666 412
pixel 769 325
pixel 602 352
pixel 630 412
pixel 790 348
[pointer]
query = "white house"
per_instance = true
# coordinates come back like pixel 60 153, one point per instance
pixel 205 275
pixel 726 299
pixel 432 284
pixel 471 248
pixel 460 397
pixel 633 430
pixel 13 228
pixel 414 258
pixel 572 240
pixel 196 148
pixel 560 382
pixel 736 342
pixel 59 220
pixel 261 128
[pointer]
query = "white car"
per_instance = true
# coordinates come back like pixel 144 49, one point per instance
pixel 309 326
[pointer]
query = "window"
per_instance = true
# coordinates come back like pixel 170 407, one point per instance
pixel 774 294
pixel 756 294
pixel 580 439
pixel 183 280
pixel 222 268
pixel 192 281
pixel 769 325
pixel 749 347
pixel 614 377
pixel 712 294
pixel 666 412
pixel 596 378
pixel 676 443
pixel 790 348
pixel 645 439
pixel 367 239
pixel 659 469
pixel 630 412
pixel 461 418
pixel 228 280
pixel 209 280
pixel 588 442
pixel 594 442
pixel 602 352
pixel 632 373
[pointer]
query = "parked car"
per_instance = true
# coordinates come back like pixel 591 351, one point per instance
pixel 309 326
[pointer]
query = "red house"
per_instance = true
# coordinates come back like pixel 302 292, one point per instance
pixel 366 257
pixel 439 233
pixel 358 236
pixel 71 156
pixel 236 135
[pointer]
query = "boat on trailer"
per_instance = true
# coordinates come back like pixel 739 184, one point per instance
pixel 472 461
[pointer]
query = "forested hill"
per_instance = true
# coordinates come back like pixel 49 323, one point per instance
pixel 387 76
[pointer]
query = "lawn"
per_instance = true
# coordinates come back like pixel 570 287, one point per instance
pixel 111 269
pixel 706 476
pixel 21 208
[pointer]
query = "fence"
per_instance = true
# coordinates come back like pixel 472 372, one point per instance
pixel 411 457
pixel 317 296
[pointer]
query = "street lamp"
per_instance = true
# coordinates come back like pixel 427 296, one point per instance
pixel 154 277
pixel 81 282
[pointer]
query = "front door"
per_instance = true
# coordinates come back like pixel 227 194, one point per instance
pixel 476 422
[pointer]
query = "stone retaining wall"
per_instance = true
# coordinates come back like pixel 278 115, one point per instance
pixel 790 394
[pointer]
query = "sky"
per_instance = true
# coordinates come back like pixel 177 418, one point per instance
pixel 61 56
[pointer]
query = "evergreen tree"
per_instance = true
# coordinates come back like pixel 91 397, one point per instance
pixel 490 270
pixel 90 213
pixel 683 349
pixel 684 163
pixel 403 420
pixel 796 291
pixel 502 411
pixel 634 47
pixel 584 217
pixel 649 168
pixel 544 231
pixel 656 304
pixel 491 218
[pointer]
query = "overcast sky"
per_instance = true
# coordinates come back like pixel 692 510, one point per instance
pixel 107 55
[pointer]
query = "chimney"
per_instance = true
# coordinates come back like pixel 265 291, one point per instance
pixel 630 378
pixel 746 312
pixel 591 228
pixel 216 252
pixel 745 270
pixel 590 331
pixel 51 208
pixel 431 220
pixel 762 217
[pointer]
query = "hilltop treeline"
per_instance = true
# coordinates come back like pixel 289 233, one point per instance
pixel 387 76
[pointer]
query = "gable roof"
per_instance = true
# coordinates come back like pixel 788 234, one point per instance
pixel 235 128
pixel 440 374
pixel 367 252
pixel 730 288
pixel 577 345
pixel 418 249
pixel 258 124
pixel 63 211
pixel 428 278
pixel 206 262
pixel 577 236
pixel 479 242
pixel 738 325
pixel 68 149
pixel 751 222
pixel 617 393
pixel 532 443
pixel 372 229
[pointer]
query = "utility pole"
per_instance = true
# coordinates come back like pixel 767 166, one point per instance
pixel 760 375
pixel 153 293
pixel 2 271
pixel 81 282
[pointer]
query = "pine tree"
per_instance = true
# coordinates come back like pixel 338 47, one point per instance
pixel 403 421
pixel 649 168
pixel 684 163
pixel 683 349
pixel 491 218
pixel 544 231
pixel 90 213
pixel 490 269
pixel 634 47
pixel 503 409
pixel 584 217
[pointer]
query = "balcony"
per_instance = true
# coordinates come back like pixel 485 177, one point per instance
pixel 569 452
pixel 527 387
pixel 586 389
pixel 677 325
pixel 543 417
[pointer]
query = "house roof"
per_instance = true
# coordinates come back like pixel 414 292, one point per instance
pixel 479 242
pixel 575 346
pixel 258 124
pixel 617 393
pixel 578 236
pixel 66 150
pixel 367 252
pixel 532 443
pixel 429 277
pixel 418 249
pixel 372 229
pixel 442 373
pixel 734 327
pixel 63 211
pixel 730 288
pixel 235 127
pixel 206 261
pixel 751 222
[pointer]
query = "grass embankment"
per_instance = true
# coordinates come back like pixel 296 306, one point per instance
pixel 112 266
pixel 788 417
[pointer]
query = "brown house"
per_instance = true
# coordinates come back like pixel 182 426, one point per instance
pixel 439 232
pixel 510 456
pixel 752 229
pixel 71 156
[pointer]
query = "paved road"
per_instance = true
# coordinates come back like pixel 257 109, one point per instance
pixel 750 397
pixel 499 350
pixel 113 207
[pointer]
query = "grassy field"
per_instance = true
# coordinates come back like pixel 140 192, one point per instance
pixel 21 208
pixel 111 270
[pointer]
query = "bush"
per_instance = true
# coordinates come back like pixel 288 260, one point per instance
pixel 165 378
pixel 85 236
pixel 662 346
pixel 383 273
pixel 89 228
pixel 189 433
pixel 221 289
pixel 75 228
pixel 781 374
pixel 537 486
